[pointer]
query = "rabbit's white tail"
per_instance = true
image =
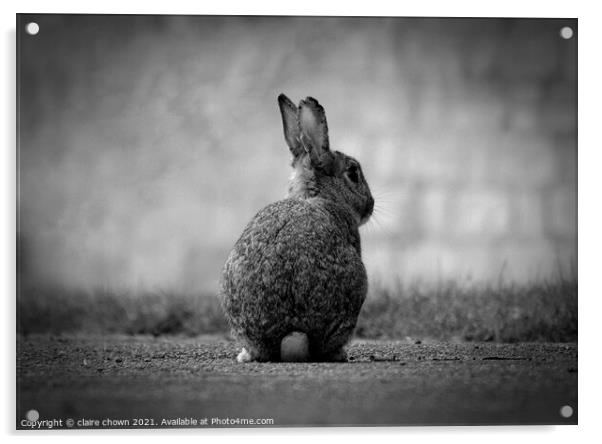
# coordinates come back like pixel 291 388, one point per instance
pixel 294 347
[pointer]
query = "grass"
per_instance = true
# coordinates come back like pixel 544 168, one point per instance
pixel 545 311
pixel 100 311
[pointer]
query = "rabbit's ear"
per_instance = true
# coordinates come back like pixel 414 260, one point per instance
pixel 290 123
pixel 314 129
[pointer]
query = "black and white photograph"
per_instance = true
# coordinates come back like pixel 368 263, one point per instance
pixel 295 221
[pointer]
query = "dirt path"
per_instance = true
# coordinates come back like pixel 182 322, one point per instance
pixel 386 383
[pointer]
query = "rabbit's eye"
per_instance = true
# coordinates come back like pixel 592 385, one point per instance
pixel 353 174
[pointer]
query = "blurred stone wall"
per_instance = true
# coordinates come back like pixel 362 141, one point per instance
pixel 480 178
pixel 147 143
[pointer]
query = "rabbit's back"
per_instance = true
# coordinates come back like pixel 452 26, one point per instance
pixel 296 267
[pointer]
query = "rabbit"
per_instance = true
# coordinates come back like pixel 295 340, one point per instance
pixel 294 283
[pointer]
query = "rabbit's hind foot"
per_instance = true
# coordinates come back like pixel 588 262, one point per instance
pixel 244 356
pixel 251 354
pixel 339 355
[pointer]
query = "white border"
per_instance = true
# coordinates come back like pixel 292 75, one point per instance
pixel 590 220
pixel 459 8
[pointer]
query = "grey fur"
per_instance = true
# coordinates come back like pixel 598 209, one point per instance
pixel 297 266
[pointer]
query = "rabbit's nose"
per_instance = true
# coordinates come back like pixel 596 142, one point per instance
pixel 370 206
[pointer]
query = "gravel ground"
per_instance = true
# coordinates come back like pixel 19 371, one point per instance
pixel 175 381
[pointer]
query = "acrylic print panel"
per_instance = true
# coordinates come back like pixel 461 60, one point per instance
pixel 416 266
